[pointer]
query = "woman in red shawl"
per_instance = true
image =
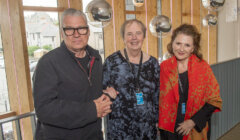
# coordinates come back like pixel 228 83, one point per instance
pixel 189 91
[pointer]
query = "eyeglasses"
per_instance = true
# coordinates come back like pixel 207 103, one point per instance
pixel 70 31
pixel 131 35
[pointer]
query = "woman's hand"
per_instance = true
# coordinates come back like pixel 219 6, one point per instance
pixel 110 92
pixel 185 127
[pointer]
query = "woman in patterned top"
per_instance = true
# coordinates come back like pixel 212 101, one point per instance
pixel 135 75
pixel 189 92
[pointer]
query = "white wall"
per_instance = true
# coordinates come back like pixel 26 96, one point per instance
pixel 228 36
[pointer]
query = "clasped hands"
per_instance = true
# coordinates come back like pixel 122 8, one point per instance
pixel 103 103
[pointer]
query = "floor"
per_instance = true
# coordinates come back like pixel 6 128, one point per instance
pixel 233 134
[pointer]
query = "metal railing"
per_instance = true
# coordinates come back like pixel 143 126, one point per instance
pixel 17 119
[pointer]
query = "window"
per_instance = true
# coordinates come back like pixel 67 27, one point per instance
pixel 44 3
pixel 129 7
pixel 4 100
pixel 44 26
pixel 38 34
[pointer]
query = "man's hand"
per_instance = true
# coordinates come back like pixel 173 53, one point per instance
pixel 185 127
pixel 103 106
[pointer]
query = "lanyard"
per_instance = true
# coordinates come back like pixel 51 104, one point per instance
pixel 89 67
pixel 180 83
pixel 139 69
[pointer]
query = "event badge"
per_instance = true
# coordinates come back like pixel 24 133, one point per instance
pixel 183 108
pixel 139 97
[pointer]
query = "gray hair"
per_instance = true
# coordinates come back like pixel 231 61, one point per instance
pixel 72 12
pixel 127 22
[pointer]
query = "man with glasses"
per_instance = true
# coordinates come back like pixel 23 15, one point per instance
pixel 67 86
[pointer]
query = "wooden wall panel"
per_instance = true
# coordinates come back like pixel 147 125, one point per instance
pixel 176 13
pixel 120 18
pixel 179 11
pixel 196 4
pixel 77 4
pixel 204 35
pixel 119 13
pixel 186 11
pixel 213 46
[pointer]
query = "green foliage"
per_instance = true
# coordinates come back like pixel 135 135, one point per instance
pixel 56 23
pixel 47 47
pixel 31 49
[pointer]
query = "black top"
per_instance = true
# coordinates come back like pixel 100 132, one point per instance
pixel 129 121
pixel 63 97
pixel 84 62
pixel 183 96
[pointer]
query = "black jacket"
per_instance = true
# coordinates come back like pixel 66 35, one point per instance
pixel 63 97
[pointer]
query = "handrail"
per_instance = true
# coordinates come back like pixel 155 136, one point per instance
pixel 7 114
pixel 17 123
pixel 18 117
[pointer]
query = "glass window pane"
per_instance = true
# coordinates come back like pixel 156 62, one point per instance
pixel 130 16
pixel 129 5
pixel 4 100
pixel 8 131
pixel 44 3
pixel 42 32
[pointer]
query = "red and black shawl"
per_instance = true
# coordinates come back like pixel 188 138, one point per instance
pixel 203 88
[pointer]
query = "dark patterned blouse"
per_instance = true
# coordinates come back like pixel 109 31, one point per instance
pixel 128 120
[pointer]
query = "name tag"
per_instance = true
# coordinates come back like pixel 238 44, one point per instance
pixel 183 108
pixel 139 97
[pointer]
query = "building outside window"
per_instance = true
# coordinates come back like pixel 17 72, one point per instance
pixel 4 99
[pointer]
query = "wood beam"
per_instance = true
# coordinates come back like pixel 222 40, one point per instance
pixel 196 14
pixel 45 9
pixel 186 11
pixel 77 4
pixel 134 12
pixel 208 39
pixel 7 114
